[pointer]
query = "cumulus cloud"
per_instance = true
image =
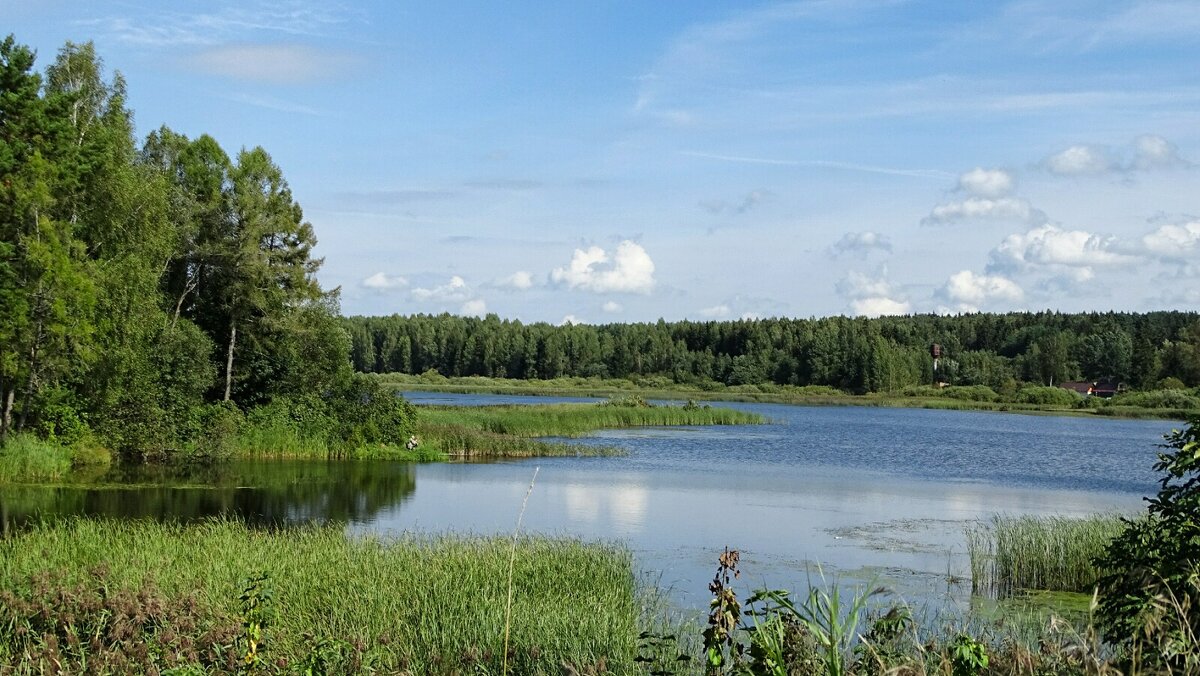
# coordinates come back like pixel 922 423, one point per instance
pixel 877 307
pixel 967 291
pixel 475 306
pixel 1178 242
pixel 871 296
pixel 519 280
pixel 989 183
pixel 456 290
pixel 1081 160
pixel 612 307
pixel 862 243
pixel 716 311
pixel 382 282
pixel 1054 247
pixel 1147 152
pixel 571 320
pixel 985 208
pixel 271 63
pixel 628 269
pixel 1155 152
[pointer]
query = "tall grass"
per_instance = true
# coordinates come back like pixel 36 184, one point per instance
pixel 25 457
pixel 1010 553
pixel 419 605
pixel 576 420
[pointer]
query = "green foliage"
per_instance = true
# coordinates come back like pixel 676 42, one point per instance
pixel 1163 398
pixel 1150 598
pixel 1047 396
pixel 968 657
pixel 25 457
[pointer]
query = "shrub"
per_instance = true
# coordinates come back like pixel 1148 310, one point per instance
pixel 1164 398
pixel 971 393
pixel 1047 396
pixel 1171 383
pixel 1150 599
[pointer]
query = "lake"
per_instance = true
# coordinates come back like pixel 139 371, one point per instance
pixel 853 493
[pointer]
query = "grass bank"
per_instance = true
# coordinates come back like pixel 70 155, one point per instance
pixel 1031 400
pixel 1013 553
pixel 128 596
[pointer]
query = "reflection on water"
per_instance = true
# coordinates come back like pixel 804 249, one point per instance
pixel 862 492
pixel 261 493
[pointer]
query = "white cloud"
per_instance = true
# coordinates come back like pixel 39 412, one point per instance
pixel 519 280
pixel 969 291
pixel 871 296
pixel 475 306
pixel 1146 153
pixel 274 64
pixel 751 316
pixel 879 306
pixel 983 208
pixel 1051 246
pixel 716 311
pixel 1155 152
pixel 628 270
pixel 570 320
pixel 612 307
pixel 862 242
pixel 1174 241
pixel 381 282
pixel 1081 160
pixel 990 183
pixel 456 290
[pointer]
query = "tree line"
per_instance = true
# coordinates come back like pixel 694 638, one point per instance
pixel 1141 350
pixel 146 287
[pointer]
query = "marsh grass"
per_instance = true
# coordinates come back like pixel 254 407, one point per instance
pixel 27 458
pixel 576 420
pixel 1011 553
pixel 415 604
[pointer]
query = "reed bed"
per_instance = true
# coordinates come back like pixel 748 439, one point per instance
pixel 1011 553
pixel 414 604
pixel 576 420
pixel 462 442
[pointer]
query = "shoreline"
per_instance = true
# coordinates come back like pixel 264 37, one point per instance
pixel 860 400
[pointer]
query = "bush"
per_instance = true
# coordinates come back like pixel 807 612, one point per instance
pixel 1165 398
pixel 1171 383
pixel 1047 396
pixel 971 393
pixel 1150 599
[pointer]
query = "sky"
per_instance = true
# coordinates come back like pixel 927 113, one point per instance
pixel 615 161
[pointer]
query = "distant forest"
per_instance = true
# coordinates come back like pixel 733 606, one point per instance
pixel 1141 350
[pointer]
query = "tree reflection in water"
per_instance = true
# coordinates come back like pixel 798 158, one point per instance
pixel 265 494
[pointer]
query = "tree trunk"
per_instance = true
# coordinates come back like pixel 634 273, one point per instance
pixel 7 394
pixel 229 360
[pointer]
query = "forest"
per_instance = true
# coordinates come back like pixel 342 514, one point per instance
pixel 155 293
pixel 1155 350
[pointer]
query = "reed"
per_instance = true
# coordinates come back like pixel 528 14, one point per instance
pixel 413 604
pixel 24 457
pixel 576 420
pixel 1011 553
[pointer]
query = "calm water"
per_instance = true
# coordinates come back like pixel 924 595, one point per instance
pixel 861 492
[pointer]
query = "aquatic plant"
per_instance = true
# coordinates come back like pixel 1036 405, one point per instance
pixel 1009 553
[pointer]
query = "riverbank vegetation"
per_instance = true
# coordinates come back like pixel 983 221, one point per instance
pixel 1169 404
pixel 218 597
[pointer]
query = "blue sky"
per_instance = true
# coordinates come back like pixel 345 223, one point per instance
pixel 625 161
